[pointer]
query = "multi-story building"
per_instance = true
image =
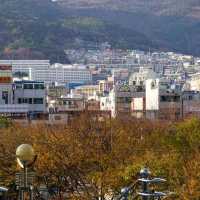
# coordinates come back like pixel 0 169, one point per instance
pixel 6 89
pixel 31 93
pixel 7 106
pixel 66 107
pixel 163 100
pixel 107 103
pixel 41 70
pixel 27 67
pixel 120 76
pixel 120 100
pixel 64 74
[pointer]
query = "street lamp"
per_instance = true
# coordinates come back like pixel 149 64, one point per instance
pixel 25 157
pixel 145 179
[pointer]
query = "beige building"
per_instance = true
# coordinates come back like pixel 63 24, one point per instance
pixel 195 82
pixel 86 90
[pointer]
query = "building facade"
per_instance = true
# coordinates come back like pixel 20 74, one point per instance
pixel 163 100
pixel 32 93
pixel 42 70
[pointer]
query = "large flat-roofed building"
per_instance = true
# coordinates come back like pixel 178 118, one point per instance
pixel 64 74
pixel 27 66
pixel 42 70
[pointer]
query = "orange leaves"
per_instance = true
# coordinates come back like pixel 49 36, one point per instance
pixel 89 156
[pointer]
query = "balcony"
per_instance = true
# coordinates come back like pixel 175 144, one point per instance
pixel 14 108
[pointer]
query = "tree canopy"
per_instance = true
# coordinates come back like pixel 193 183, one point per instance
pixel 91 158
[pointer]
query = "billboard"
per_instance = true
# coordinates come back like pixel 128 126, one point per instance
pixel 6 67
pixel 5 74
pixel 5 79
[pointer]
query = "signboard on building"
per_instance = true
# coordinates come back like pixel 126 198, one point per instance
pixel 6 67
pixel 5 74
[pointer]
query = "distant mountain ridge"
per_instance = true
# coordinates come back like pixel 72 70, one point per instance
pixel 44 29
pixel 172 25
pixel 157 7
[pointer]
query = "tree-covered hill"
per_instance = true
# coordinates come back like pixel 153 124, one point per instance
pixel 171 24
pixel 40 29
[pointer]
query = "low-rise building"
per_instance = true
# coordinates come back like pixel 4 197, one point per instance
pixel 120 100
pixel 87 91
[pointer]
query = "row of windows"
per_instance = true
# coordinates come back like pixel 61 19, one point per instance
pixel 31 86
pixel 30 100
pixel 124 100
pixel 170 98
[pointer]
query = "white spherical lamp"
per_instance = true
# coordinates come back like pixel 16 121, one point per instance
pixel 25 153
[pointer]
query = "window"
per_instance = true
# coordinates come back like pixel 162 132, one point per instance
pixel 25 100
pixel 153 84
pixel 28 86
pixel 38 100
pixel 20 100
pixel 170 98
pixel 39 86
pixel 5 96
pixel 18 86
pixel 30 100
pixel 124 100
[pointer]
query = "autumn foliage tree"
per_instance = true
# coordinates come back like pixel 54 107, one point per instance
pixel 92 158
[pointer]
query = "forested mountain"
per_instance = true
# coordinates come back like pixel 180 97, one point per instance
pixel 44 28
pixel 158 7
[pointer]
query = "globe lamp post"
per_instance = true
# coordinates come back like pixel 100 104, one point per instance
pixel 25 157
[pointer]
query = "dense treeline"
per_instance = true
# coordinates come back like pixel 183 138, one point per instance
pixel 92 158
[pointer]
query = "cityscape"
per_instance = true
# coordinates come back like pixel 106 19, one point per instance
pixel 116 83
pixel 104 91
pixel 99 100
